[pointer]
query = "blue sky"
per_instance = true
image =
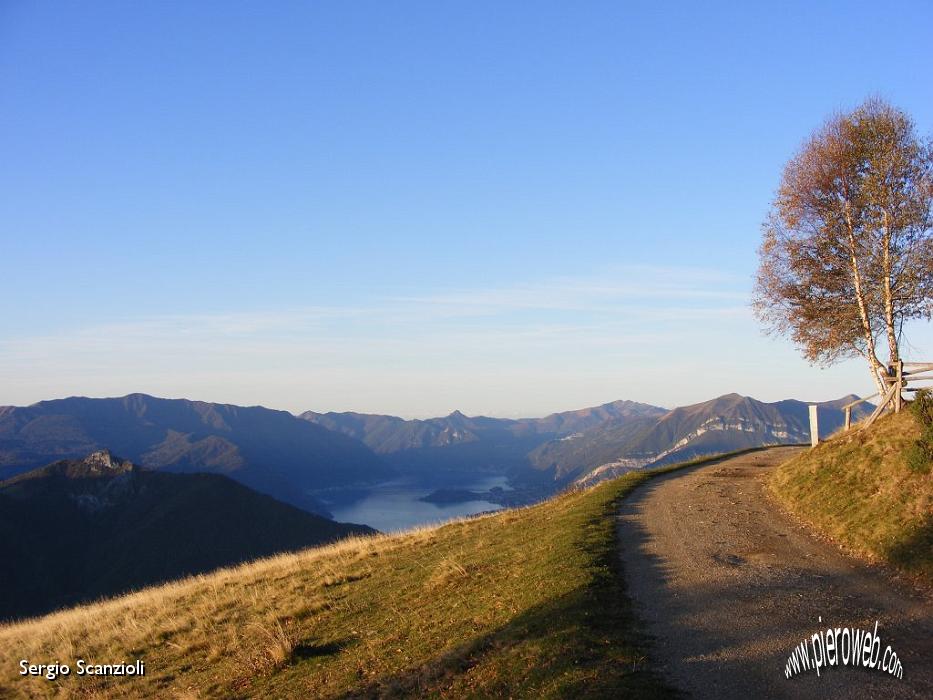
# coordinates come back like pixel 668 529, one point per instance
pixel 406 207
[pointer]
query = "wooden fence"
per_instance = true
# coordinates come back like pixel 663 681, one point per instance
pixel 899 379
pixel 896 378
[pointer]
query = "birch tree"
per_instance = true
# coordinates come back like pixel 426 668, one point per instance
pixel 847 251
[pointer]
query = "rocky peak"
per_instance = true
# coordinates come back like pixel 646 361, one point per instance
pixel 103 460
pixel 100 463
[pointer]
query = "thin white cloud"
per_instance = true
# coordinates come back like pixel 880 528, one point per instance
pixel 646 285
pixel 646 298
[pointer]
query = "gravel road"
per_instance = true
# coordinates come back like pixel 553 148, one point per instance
pixel 727 585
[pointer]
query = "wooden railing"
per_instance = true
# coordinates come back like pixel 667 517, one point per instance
pixel 897 377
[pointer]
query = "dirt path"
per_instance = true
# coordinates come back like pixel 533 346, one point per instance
pixel 728 585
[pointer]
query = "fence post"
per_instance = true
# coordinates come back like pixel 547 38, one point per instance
pixel 814 427
pixel 848 417
pixel 898 397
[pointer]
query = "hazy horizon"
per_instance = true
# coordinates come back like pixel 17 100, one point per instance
pixel 420 417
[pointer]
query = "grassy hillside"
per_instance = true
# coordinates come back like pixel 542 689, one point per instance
pixel 524 603
pixel 858 489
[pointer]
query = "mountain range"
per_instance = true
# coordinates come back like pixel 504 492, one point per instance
pixel 584 445
pixel 727 423
pixel 80 529
pixel 270 451
pixel 388 434
pixel 290 457
pixel 441 450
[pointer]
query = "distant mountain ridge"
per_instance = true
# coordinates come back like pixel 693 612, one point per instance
pixel 270 451
pixel 589 444
pixel 385 434
pixel 727 423
pixel 290 457
pixel 79 529
pixel 456 445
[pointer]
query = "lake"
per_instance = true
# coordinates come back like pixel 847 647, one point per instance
pixel 395 505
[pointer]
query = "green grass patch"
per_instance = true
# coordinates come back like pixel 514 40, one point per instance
pixel 920 454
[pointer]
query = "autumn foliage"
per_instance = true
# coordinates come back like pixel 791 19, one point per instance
pixel 847 253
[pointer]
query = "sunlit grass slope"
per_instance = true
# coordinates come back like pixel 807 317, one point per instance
pixel 524 603
pixel 858 489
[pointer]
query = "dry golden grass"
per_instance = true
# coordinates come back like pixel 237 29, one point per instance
pixel 857 489
pixel 525 601
pixel 248 615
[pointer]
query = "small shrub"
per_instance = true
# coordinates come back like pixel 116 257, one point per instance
pixel 282 640
pixel 920 455
pixel 268 647
pixel 922 407
pixel 919 459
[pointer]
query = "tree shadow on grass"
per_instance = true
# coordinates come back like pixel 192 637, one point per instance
pixel 914 551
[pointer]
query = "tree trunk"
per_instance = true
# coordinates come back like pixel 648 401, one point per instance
pixel 871 354
pixel 893 354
